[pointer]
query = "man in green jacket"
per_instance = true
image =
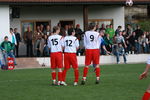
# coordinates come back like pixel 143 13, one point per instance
pixel 7 48
pixel 110 31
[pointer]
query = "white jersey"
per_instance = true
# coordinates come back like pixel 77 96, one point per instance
pixel 70 44
pixel 55 43
pixel 148 61
pixel 91 40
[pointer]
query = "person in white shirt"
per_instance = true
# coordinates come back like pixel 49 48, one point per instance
pixel 92 45
pixel 12 39
pixel 55 44
pixel 70 44
pixel 144 75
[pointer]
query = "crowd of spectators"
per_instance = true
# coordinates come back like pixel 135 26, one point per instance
pixel 133 41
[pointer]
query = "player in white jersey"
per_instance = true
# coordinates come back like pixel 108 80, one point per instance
pixel 55 44
pixel 144 75
pixel 92 41
pixel 71 44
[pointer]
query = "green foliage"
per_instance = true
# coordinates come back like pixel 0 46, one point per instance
pixel 118 82
pixel 145 25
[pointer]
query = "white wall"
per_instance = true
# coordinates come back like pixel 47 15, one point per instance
pixel 4 21
pixel 108 12
pixel 133 58
pixel 56 13
pixel 53 13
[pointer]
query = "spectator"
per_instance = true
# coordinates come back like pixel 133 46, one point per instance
pixel 108 43
pixel 28 36
pixel 132 41
pixel 97 28
pixel 102 28
pixel 129 29
pixel 120 39
pixel 46 49
pixel 66 30
pixel 12 38
pixel 41 46
pixel 126 37
pixel 38 37
pixel 2 62
pixel 138 32
pixel 118 30
pixel 118 50
pixel 47 31
pixel 78 32
pixel 110 31
pixel 18 39
pixel 143 43
pixel 42 29
pixel 103 50
pixel 7 48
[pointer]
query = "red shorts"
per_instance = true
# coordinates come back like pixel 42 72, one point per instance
pixel 70 59
pixel 56 60
pixel 92 55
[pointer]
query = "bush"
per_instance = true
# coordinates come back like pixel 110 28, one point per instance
pixel 145 25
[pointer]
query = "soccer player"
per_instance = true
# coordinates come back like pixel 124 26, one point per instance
pixel 71 44
pixel 144 75
pixel 55 44
pixel 92 41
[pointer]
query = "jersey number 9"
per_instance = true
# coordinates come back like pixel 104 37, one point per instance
pixel 91 38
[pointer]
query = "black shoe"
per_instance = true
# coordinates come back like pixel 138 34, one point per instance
pixel 83 82
pixel 97 82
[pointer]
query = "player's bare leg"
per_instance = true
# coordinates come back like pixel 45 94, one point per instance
pixel 76 74
pixel 147 94
pixel 97 72
pixel 53 76
pixel 85 72
pixel 59 76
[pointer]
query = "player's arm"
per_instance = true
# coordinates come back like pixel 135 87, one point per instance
pixel 145 73
pixel 84 40
pixel 49 43
pixel 63 43
pixel 77 44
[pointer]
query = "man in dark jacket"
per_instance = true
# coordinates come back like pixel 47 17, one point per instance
pixel 138 32
pixel 18 39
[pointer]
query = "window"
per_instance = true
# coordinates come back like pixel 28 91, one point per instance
pixel 101 21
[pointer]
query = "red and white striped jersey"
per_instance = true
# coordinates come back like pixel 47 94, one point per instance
pixel 91 40
pixel 70 44
pixel 55 43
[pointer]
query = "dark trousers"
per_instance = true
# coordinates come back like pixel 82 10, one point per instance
pixel 29 48
pixel 17 49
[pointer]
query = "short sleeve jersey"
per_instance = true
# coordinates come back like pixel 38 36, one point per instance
pixel 91 40
pixel 70 44
pixel 55 43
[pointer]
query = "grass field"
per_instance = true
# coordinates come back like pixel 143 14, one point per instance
pixel 118 82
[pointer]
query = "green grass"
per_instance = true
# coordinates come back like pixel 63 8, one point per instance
pixel 118 82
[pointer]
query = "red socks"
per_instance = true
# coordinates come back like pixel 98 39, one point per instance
pixel 85 71
pixel 64 75
pixel 53 75
pixel 146 96
pixel 76 74
pixel 59 76
pixel 97 71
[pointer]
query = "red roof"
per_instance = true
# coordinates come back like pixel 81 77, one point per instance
pixel 73 1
